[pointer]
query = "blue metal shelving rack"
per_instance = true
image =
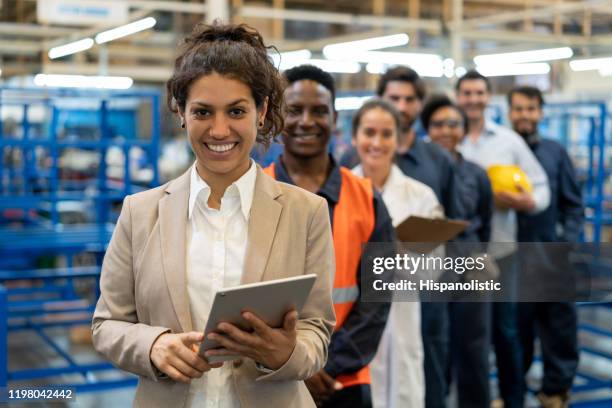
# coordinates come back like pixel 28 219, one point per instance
pixel 34 188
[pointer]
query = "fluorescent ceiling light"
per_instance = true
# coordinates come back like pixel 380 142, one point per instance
pixel 514 69
pixel 82 81
pixel 350 102
pixel 394 58
pixel 606 71
pixel 71 48
pixel 590 64
pixel 125 30
pixel 448 67
pixel 460 71
pixel 342 67
pixel 333 51
pixel 434 71
pixel 290 59
pixel 548 54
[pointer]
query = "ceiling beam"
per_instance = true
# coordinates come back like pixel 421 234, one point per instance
pixel 431 25
pixel 541 12
pixel 537 38
pixel 19 47
pixel 158 5
pixel 33 30
pixel 148 73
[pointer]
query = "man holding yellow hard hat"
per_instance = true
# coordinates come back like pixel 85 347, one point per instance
pixel 488 144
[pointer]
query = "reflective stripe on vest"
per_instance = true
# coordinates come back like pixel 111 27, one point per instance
pixel 353 223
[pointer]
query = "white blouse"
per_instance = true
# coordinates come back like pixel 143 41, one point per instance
pixel 398 379
pixel 216 242
pixel 405 196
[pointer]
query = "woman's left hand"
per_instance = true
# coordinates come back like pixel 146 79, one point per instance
pixel 265 345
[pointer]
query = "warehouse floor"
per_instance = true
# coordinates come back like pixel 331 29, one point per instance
pixel 27 350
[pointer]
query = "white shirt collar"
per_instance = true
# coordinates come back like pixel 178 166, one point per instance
pixel 395 175
pixel 245 186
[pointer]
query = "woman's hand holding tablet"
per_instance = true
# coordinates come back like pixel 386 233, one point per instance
pixel 265 345
pixel 176 355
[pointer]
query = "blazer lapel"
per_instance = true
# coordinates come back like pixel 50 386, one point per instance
pixel 263 220
pixel 173 212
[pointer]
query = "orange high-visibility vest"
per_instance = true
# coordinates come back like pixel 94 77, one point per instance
pixel 354 220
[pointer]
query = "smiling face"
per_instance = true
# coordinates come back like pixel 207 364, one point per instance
pixel 310 119
pixel 525 114
pixel 221 119
pixel 446 128
pixel 473 97
pixel 376 138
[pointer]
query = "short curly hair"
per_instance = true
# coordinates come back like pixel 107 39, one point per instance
pixel 437 102
pixel 312 73
pixel 236 51
pixel 402 74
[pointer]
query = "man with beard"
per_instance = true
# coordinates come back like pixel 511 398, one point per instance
pixel 488 144
pixel 358 215
pixel 555 321
pixel 419 159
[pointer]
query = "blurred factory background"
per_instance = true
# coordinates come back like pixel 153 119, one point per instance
pixel 83 123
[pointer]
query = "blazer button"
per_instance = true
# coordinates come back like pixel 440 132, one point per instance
pixel 237 363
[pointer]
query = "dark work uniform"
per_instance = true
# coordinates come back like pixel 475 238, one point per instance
pixel 555 322
pixel 353 345
pixel 470 322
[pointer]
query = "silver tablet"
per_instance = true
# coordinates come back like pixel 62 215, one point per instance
pixel 270 300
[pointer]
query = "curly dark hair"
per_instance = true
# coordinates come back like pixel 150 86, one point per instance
pixel 473 75
pixel 376 103
pixel 439 101
pixel 312 73
pixel 236 51
pixel 402 74
pixel 530 92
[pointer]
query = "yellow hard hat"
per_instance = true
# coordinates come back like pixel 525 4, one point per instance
pixel 506 177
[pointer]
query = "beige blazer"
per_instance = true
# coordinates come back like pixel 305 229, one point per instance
pixel 144 293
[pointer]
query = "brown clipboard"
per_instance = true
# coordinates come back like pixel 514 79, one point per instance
pixel 420 229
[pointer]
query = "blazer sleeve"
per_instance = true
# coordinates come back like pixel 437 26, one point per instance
pixel 117 334
pixel 317 318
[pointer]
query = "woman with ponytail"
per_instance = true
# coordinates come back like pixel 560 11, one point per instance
pixel 221 224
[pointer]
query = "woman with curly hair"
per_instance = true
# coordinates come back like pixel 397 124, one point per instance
pixel 221 224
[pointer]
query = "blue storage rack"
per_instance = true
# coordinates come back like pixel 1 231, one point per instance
pixel 583 127
pixel 33 190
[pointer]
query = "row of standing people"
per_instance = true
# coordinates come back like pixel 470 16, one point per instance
pixel 225 222
pixel 441 175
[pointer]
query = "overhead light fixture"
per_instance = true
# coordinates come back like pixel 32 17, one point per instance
pixel 606 72
pixel 82 81
pixel 125 30
pixel 341 67
pixel 394 58
pixel 434 71
pixel 448 66
pixel 510 58
pixel 514 69
pixel 350 102
pixel 335 51
pixel 460 71
pixel 71 48
pixel 290 59
pixel 590 64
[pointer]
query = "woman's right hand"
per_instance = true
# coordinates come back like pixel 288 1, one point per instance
pixel 176 355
